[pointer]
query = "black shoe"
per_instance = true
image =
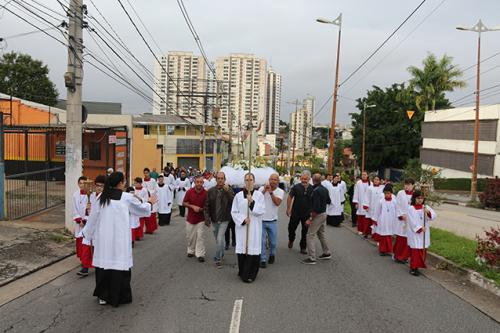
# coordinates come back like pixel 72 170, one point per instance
pixel 201 259
pixel 325 256
pixel 414 272
pixel 226 247
pixel 308 261
pixel 290 244
pixel 263 264
pixel 303 251
pixel 271 260
pixel 190 255
pixel 234 244
pixel 83 272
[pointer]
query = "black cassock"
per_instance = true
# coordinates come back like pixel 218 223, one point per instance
pixel 248 266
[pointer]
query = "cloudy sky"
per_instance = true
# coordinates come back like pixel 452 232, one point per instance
pixel 285 33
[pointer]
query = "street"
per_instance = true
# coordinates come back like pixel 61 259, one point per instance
pixel 357 291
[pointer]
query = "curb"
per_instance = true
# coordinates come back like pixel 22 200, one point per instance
pixel 445 264
pixel 456 203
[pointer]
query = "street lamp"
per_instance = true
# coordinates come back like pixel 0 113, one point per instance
pixel 338 22
pixel 365 107
pixel 479 28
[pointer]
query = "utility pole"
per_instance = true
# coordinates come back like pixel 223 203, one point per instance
pixel 296 103
pixel 73 81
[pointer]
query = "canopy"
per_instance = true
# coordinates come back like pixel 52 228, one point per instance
pixel 236 177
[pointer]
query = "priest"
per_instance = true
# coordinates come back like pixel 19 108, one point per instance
pixel 247 211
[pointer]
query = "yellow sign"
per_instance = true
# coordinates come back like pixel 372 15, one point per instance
pixel 410 113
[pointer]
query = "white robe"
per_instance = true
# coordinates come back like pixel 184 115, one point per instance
pixel 152 188
pixel 239 214
pixel 360 196
pixel 109 229
pixel 386 216
pixel 404 202
pixel 415 222
pixel 335 192
pixel 181 184
pixel 375 193
pixel 79 210
pixel 165 197
pixel 170 180
pixel 208 184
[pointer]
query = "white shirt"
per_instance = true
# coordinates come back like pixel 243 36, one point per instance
pixel 239 214
pixel 271 213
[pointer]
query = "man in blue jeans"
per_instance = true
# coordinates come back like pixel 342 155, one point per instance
pixel 273 196
pixel 217 212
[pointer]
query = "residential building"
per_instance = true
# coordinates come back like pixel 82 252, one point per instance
pixel 273 102
pixel 301 124
pixel 244 93
pixel 93 107
pixel 180 84
pixel 448 141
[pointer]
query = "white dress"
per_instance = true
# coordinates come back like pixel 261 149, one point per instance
pixel 360 196
pixel 108 228
pixel 239 214
pixel 386 216
pixel 182 186
pixel 335 207
pixel 415 222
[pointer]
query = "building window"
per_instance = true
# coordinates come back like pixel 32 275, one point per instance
pixel 95 151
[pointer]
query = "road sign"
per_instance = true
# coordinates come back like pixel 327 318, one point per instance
pixel 410 113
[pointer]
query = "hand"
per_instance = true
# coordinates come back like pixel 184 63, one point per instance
pixel 152 200
pixel 428 212
pixel 196 209
pixel 374 223
pixel 226 188
pixel 419 231
pixel 82 224
pixel 267 188
pixel 288 212
pixel 249 198
pixel 356 205
pixel 308 222
pixel 365 207
pixel 247 220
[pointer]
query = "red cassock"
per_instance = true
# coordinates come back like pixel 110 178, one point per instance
pixel 417 258
pixel 401 248
pixel 78 246
pixel 86 256
pixel 385 244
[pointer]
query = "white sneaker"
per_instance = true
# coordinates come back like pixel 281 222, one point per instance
pixel 102 302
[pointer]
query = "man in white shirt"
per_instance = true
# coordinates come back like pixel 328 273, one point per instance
pixel 273 196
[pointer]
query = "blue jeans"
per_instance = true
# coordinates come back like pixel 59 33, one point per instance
pixel 269 229
pixel 219 232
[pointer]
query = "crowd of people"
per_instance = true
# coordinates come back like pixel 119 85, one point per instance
pixel 112 218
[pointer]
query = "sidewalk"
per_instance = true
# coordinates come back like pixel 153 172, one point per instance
pixel 32 243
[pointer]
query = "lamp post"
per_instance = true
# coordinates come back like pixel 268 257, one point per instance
pixel 338 22
pixel 365 107
pixel 479 27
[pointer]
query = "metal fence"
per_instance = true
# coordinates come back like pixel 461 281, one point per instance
pixel 30 192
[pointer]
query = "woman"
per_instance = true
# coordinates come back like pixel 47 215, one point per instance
pixel 247 210
pixel 109 229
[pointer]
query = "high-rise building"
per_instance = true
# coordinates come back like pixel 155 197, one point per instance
pixel 273 102
pixel 243 79
pixel 301 124
pixel 181 91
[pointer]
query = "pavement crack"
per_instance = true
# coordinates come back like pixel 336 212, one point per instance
pixel 205 297
pixel 54 321
pixel 12 325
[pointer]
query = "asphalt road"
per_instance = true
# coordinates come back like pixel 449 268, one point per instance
pixel 357 291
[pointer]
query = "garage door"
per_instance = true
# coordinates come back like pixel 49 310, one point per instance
pixel 186 162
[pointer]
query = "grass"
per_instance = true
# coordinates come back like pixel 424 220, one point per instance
pixel 461 251
pixel 347 208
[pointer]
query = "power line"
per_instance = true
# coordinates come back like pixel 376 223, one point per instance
pixel 25 34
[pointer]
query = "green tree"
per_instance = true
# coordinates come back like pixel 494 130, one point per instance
pixel 391 138
pixel 433 80
pixel 27 78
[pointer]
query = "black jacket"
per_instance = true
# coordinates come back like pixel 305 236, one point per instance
pixel 210 205
pixel 319 199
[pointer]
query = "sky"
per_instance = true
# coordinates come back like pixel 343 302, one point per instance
pixel 285 33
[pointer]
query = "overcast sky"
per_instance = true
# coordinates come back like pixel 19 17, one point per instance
pixel 285 33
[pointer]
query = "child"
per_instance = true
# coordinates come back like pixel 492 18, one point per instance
pixel 135 223
pixel 150 184
pixel 164 201
pixel 142 193
pixel 403 198
pixel 80 201
pixel 419 232
pixel 182 184
pixel 375 193
pixel 384 218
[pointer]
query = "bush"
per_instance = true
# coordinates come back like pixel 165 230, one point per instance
pixel 491 195
pixel 488 248
pixel 458 184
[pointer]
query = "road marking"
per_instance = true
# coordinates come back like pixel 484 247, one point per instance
pixel 235 319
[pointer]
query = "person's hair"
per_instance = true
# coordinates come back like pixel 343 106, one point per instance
pixel 415 195
pixel 251 174
pixel 100 179
pixel 130 189
pixel 376 176
pixel 220 172
pixel 82 178
pixel 146 169
pixel 138 180
pixel 388 188
pixel 409 181
pixel 306 173
pixel 198 176
pixel 111 182
pixel 160 175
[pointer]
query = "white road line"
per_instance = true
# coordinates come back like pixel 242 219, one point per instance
pixel 235 319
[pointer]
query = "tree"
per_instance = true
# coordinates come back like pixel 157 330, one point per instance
pixel 26 78
pixel 391 138
pixel 432 81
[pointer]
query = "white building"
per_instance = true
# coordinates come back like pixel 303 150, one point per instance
pixel 244 86
pixel 273 102
pixel 301 124
pixel 448 141
pixel 180 92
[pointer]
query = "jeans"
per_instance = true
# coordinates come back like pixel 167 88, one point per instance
pixel 219 232
pixel 269 228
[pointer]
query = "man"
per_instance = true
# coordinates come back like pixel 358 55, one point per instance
pixel 298 208
pixel 316 222
pixel 109 171
pixel 273 196
pixel 165 197
pixel 218 213
pixel 182 184
pixel 154 174
pixel 195 228
pixel 334 210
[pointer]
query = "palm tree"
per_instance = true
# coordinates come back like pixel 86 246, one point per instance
pixel 432 81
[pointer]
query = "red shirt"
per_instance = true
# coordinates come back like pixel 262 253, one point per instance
pixel 198 199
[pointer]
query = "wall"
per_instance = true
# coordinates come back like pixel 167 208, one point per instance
pixel 144 153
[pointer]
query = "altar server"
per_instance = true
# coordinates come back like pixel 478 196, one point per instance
pixel 109 230
pixel 182 184
pixel 419 231
pixel 247 211
pixel 384 218
pixel 375 194
pixel 334 210
pixel 80 201
pixel 135 222
pixel 150 184
pixel 401 249
pixel 360 196
pixel 165 197
pixel 141 192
